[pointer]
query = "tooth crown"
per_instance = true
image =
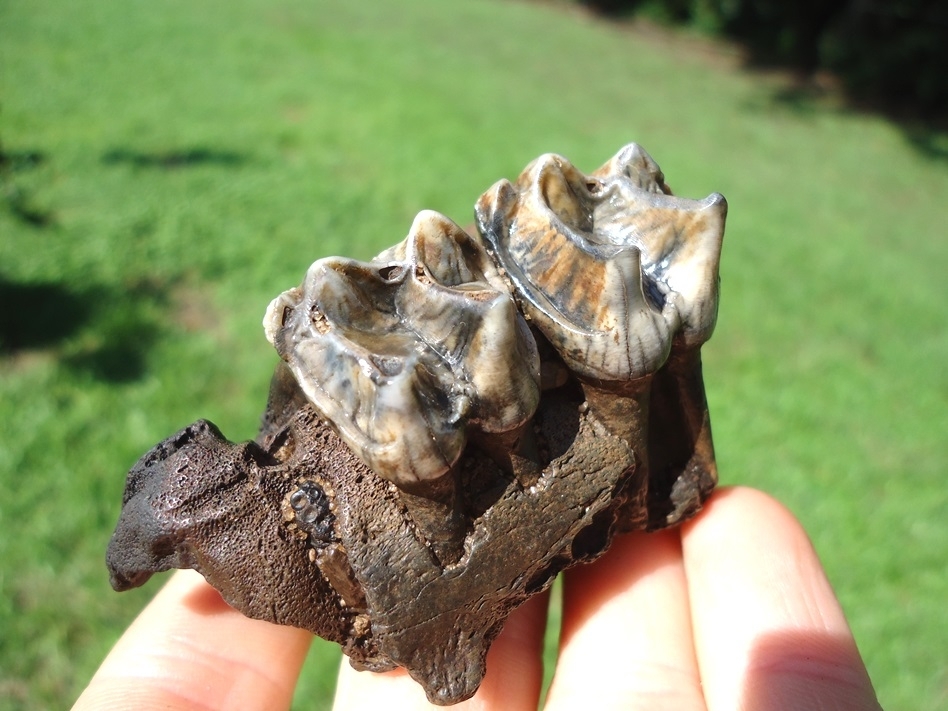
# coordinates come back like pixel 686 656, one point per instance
pixel 403 353
pixel 611 267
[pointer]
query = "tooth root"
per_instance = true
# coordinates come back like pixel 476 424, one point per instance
pixel 435 509
pixel 681 450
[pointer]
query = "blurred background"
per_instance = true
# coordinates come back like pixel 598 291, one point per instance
pixel 168 168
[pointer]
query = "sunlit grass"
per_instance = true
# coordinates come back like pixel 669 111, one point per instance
pixel 172 167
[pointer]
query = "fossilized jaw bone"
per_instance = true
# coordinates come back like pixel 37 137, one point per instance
pixel 455 492
pixel 403 353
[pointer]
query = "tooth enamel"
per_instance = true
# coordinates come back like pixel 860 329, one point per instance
pixel 454 351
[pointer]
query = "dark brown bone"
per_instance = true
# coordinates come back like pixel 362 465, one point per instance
pixel 409 610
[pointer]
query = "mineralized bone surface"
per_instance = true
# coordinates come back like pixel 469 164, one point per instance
pixel 455 422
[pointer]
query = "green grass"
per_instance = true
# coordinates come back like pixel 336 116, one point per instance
pixel 173 166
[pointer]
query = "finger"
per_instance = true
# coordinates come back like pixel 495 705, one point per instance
pixel 513 679
pixel 188 649
pixel 769 632
pixel 626 635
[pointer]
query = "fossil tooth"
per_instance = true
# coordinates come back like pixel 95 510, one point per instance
pixel 681 251
pixel 617 273
pixel 403 353
pixel 584 294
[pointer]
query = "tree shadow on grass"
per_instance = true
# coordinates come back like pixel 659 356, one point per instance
pixel 174 159
pixel 18 200
pixel 38 315
pixel 100 331
pixel 927 141
pixel 805 97
pixel 843 56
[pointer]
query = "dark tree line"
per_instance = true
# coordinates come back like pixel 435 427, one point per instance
pixel 889 52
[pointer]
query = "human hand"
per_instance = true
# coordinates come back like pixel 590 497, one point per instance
pixel 731 610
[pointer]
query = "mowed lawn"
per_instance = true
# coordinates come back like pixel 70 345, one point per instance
pixel 171 167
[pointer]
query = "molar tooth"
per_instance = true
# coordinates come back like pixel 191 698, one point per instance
pixel 585 295
pixel 410 350
pixel 619 275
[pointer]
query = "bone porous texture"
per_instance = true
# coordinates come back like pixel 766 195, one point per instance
pixel 454 422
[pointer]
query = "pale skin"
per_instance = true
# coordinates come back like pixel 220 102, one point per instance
pixel 730 611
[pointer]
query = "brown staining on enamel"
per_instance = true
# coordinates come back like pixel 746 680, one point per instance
pixel 584 293
pixel 455 422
